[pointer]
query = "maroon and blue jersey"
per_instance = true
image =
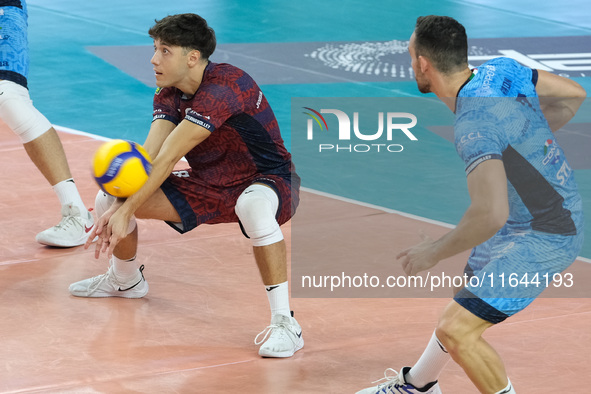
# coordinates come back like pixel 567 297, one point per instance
pixel 245 140
pixel 245 147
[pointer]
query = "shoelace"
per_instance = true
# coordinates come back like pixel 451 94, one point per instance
pixel 268 330
pixel 67 221
pixel 390 379
pixel 97 280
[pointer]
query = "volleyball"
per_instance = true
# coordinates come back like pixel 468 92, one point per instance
pixel 120 167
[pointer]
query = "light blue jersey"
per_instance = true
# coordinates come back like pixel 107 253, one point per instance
pixel 498 116
pixel 14 49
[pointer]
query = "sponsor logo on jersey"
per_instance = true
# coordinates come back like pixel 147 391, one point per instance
pixel 191 118
pixel 564 173
pixel 191 112
pixel 488 77
pixel 482 159
pixel 551 153
pixel 469 137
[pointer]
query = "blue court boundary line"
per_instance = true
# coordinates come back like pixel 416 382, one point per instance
pixel 316 192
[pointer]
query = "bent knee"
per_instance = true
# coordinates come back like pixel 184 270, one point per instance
pixel 458 329
pixel 450 335
pixel 256 208
pixel 102 202
pixel 18 112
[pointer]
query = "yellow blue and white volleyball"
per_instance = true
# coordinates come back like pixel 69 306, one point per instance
pixel 121 167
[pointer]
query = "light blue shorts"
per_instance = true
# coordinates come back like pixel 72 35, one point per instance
pixel 14 50
pixel 511 269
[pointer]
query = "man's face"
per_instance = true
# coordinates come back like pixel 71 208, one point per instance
pixel 422 81
pixel 170 64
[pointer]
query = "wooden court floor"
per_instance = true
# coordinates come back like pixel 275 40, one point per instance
pixel 194 331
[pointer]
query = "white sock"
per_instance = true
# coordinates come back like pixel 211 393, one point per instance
pixel 278 299
pixel 430 365
pixel 67 193
pixel 507 390
pixel 125 270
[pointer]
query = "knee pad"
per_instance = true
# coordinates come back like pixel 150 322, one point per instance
pixel 256 208
pixel 103 202
pixel 18 112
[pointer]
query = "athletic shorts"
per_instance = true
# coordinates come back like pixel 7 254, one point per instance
pixel 14 50
pixel 198 203
pixel 511 269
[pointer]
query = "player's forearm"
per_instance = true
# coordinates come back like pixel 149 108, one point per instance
pixel 159 131
pixel 154 143
pixel 161 169
pixel 560 98
pixel 560 110
pixel 477 226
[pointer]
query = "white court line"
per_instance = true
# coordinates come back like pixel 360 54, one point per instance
pixel 78 132
pixel 319 193
pixel 72 385
pixel 379 208
pixel 388 210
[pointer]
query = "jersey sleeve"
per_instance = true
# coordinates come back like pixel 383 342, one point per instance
pixel 478 138
pixel 534 76
pixel 514 79
pixel 166 105
pixel 213 105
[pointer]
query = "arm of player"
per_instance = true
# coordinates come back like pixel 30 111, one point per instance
pixel 181 140
pixel 100 226
pixel 487 213
pixel 560 98
pixel 159 131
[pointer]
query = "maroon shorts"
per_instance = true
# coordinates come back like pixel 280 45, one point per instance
pixel 198 203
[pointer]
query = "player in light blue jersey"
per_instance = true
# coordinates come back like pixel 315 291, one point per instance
pixel 39 138
pixel 525 219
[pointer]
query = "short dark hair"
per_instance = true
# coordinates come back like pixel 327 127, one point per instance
pixel 187 31
pixel 443 41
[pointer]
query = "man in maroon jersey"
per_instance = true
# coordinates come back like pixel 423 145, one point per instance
pixel 217 117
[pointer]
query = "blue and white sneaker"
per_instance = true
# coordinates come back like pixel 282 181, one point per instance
pixel 395 384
